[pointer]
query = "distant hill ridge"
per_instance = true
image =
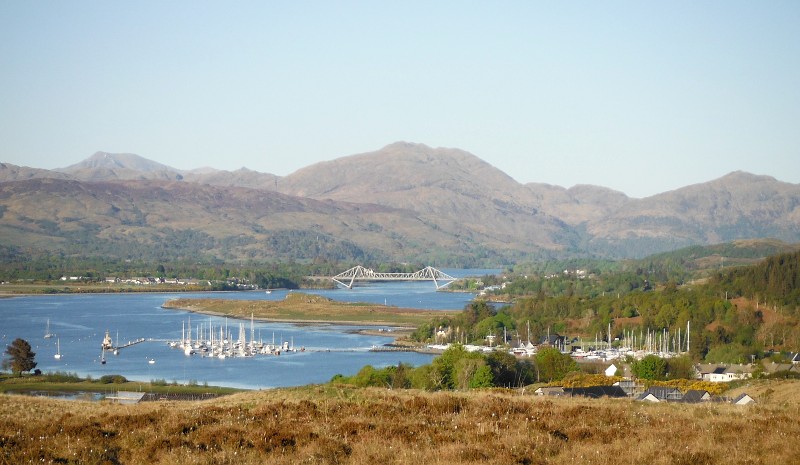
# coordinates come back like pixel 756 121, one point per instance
pixel 436 204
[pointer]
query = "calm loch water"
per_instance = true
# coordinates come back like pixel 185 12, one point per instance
pixel 79 323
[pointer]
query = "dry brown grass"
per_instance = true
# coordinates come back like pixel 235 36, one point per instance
pixel 332 424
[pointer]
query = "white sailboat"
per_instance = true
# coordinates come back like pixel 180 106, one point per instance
pixel 58 349
pixel 47 333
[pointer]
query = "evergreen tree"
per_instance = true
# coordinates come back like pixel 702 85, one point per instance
pixel 21 356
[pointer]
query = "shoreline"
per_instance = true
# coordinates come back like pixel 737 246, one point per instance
pixel 396 332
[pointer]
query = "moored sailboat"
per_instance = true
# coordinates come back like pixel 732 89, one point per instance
pixel 47 333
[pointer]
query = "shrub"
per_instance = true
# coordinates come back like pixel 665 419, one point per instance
pixel 109 379
pixel 577 379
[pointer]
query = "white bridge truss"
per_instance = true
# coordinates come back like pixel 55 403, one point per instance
pixel 359 273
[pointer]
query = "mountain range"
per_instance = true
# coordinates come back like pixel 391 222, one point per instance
pixel 404 202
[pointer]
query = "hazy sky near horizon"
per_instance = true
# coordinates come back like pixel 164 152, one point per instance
pixel 641 97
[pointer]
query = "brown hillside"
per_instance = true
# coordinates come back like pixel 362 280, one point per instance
pixel 739 205
pixel 407 202
pixel 232 222
pixel 9 172
pixel 446 186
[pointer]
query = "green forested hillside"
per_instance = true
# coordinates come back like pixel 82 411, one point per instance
pixel 741 312
pixel 775 281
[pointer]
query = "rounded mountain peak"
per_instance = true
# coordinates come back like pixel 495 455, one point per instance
pixel 400 166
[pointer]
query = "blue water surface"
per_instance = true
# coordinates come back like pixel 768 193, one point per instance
pixel 79 323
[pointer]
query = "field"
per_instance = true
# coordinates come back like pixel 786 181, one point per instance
pixel 299 307
pixel 335 424
pixel 71 383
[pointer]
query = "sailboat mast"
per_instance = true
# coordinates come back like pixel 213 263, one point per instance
pixel 529 331
pixel 687 335
pixel 252 330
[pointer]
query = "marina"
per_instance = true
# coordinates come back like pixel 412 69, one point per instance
pixel 141 333
pixel 224 346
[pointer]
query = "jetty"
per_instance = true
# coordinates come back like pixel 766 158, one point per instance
pixel 108 343
pixel 129 343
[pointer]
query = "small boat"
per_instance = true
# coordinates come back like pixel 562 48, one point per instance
pixel 151 361
pixel 268 291
pixel 57 356
pixel 47 333
pixel 103 356
pixel 108 343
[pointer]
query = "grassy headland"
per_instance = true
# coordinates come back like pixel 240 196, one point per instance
pixel 337 424
pixel 308 308
pixel 65 382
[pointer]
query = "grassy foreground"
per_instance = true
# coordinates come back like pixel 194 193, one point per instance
pixel 300 307
pixel 336 424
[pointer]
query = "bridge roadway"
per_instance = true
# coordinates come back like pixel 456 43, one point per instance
pixel 359 273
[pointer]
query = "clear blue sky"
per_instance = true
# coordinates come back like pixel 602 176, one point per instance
pixel 638 96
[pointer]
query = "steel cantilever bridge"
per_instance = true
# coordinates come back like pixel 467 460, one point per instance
pixel 359 273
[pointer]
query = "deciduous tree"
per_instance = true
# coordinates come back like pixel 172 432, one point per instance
pixel 650 367
pixel 552 365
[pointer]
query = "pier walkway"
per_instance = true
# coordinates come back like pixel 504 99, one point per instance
pixel 129 343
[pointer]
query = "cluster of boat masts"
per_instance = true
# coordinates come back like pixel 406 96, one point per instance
pixel 209 341
pixel 662 343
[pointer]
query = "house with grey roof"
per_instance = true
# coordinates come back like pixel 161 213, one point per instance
pixel 772 367
pixel 724 373
pixel 743 399
pixel 630 386
pixel 549 391
pixel 595 392
pixel 647 396
pixel 694 396
pixel 660 394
